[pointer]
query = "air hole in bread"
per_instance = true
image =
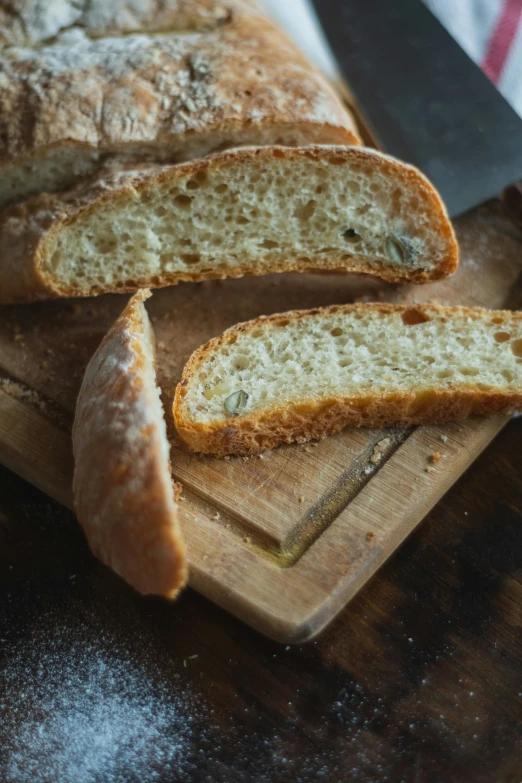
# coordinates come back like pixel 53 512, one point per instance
pixel 396 197
pixel 160 211
pixel 242 220
pixel 414 316
pixel 221 188
pixel 269 244
pixel 470 371
pixel 508 375
pixel 516 347
pixel 351 236
pixel 183 201
pixel 190 258
pixel 107 246
pixel 502 337
pixel 305 211
pixel 336 332
pixel 283 322
pixel 197 182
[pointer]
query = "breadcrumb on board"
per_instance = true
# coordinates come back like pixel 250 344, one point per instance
pixel 22 393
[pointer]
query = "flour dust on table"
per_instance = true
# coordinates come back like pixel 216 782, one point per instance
pixel 91 712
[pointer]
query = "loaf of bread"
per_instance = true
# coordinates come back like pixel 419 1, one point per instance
pixel 90 85
pixel 246 211
pixel 123 490
pixel 306 374
pixel 40 22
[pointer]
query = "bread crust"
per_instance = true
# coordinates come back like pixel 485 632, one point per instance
pixel 158 97
pixel 123 491
pixel 315 419
pixel 28 231
pixel 31 22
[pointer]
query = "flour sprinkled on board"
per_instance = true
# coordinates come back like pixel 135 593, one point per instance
pixel 88 712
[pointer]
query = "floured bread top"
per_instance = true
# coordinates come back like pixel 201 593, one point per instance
pixel 145 80
pixel 136 88
pixel 33 22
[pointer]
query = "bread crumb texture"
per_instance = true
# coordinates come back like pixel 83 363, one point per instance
pixel 254 211
pixel 354 364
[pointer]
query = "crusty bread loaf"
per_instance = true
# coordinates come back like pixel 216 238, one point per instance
pixel 36 23
pixel 247 211
pixel 78 92
pixel 306 374
pixel 123 490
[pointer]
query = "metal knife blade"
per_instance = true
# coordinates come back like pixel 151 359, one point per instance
pixel 424 99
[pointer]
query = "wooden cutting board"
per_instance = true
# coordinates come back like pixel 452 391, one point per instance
pixel 283 541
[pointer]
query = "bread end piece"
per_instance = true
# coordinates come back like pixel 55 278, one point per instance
pixel 123 489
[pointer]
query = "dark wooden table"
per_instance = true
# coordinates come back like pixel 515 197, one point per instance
pixel 419 679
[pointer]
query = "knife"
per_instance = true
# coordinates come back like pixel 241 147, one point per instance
pixel 423 99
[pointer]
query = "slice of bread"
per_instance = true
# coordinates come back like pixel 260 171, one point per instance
pixel 246 211
pixel 123 490
pixel 306 374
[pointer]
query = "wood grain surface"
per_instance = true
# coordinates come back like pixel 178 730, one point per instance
pixel 286 539
pixel 417 680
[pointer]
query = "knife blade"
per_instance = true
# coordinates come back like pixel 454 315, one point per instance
pixel 424 99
